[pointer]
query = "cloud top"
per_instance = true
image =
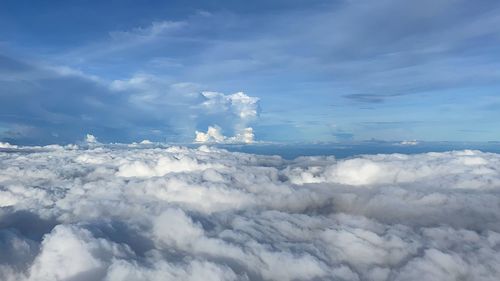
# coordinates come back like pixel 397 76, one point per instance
pixel 241 105
pixel 150 212
pixel 242 108
pixel 214 135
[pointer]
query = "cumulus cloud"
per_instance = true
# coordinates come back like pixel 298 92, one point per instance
pixel 164 109
pixel 214 135
pixel 242 108
pixel 241 105
pixel 7 145
pixel 89 138
pixel 245 136
pixel 156 212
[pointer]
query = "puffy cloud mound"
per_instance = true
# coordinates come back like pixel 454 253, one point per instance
pixel 7 145
pixel 214 135
pixel 239 104
pixel 242 108
pixel 152 212
pixel 90 139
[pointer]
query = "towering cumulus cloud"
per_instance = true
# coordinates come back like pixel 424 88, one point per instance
pixel 242 108
pixel 153 212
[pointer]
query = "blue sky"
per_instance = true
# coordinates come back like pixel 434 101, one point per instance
pixel 321 70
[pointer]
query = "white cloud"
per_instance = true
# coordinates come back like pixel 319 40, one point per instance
pixel 69 252
pixel 152 212
pixel 239 104
pixel 242 108
pixel 244 136
pixel 465 169
pixel 141 35
pixel 172 109
pixel 7 145
pixel 214 135
pixel 409 142
pixel 90 139
pixel 233 112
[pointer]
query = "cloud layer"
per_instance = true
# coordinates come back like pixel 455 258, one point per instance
pixel 151 212
pixel 59 105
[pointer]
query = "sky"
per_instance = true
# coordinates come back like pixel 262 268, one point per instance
pixel 245 71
